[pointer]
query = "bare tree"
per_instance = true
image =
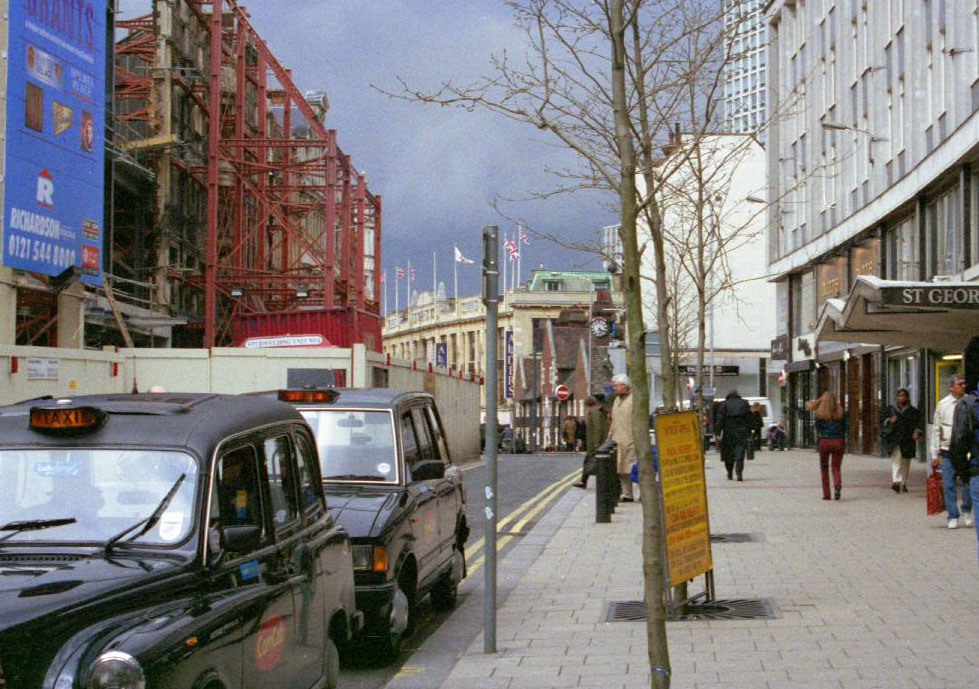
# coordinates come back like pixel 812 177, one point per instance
pixel 605 78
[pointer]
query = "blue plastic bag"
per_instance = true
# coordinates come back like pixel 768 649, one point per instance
pixel 635 466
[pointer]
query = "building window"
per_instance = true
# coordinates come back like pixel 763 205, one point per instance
pixel 865 259
pixel 944 236
pixel 901 242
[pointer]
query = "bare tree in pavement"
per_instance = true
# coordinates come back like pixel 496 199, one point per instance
pixel 606 79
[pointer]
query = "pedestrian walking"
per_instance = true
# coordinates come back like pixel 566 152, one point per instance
pixel 568 430
pixel 580 433
pixel 831 429
pixel 596 430
pixel 941 437
pixel 734 425
pixel 620 431
pixel 757 424
pixel 900 431
pixel 964 446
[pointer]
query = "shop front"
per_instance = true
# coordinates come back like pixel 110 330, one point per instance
pixel 920 329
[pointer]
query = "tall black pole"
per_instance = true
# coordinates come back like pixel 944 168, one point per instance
pixel 491 298
pixel 533 397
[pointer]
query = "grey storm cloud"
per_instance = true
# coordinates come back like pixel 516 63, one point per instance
pixel 437 169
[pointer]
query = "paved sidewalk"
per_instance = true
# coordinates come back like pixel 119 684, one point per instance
pixel 871 593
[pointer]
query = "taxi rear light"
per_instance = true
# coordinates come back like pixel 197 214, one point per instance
pixel 66 421
pixel 380 563
pixel 308 395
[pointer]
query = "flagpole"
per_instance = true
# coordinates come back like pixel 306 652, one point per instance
pixel 397 281
pixel 504 262
pixel 385 293
pixel 408 297
pixel 455 278
pixel 520 248
pixel 435 283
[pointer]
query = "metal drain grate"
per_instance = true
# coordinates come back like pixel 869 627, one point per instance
pixel 728 609
pixel 735 538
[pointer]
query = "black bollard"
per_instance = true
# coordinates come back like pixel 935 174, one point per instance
pixel 602 513
pixel 614 485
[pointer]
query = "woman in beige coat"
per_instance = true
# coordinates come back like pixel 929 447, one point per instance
pixel 621 432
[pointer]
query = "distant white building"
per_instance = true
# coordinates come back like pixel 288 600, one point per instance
pixel 744 75
pixel 733 181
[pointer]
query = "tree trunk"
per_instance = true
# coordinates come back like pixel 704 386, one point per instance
pixel 652 545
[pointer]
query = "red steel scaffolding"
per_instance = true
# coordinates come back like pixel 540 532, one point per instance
pixel 292 233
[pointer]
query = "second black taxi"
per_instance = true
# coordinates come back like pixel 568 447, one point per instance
pixel 390 482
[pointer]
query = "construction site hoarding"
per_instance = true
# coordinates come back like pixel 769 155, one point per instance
pixel 54 167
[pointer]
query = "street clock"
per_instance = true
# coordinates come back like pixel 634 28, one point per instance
pixel 600 327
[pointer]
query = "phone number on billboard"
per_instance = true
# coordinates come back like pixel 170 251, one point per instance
pixel 37 250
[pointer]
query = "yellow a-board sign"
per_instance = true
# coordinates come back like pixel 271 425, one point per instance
pixel 681 466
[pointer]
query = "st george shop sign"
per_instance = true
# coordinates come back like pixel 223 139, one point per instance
pixel 944 296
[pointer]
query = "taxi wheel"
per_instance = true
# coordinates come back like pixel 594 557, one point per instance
pixel 401 622
pixel 331 665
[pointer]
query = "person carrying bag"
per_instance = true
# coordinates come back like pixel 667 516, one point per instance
pixel 596 430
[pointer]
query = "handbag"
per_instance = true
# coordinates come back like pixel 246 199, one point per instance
pixel 935 492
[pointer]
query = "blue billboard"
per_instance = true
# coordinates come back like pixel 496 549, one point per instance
pixel 53 172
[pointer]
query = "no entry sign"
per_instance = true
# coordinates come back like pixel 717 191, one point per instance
pixel 562 392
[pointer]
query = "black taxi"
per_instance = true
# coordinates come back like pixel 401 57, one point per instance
pixel 167 540
pixel 391 483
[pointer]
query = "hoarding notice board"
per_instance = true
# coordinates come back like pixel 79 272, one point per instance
pixel 54 167
pixel 684 487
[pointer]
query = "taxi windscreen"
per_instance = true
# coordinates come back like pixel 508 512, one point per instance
pixel 354 445
pixel 89 495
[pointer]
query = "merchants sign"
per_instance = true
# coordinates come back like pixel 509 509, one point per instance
pixel 681 462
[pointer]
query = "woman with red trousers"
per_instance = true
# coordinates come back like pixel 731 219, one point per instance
pixel 831 428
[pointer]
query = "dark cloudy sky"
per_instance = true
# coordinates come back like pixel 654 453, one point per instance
pixel 436 168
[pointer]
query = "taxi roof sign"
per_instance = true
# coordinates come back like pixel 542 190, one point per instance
pixel 308 395
pixel 66 420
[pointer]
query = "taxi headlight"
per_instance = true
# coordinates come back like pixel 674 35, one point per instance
pixel 363 557
pixel 116 670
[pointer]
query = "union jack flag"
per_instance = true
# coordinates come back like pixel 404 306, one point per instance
pixel 384 277
pixel 400 272
pixel 523 237
pixel 509 245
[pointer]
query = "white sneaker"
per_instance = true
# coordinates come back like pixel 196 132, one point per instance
pixel 967 520
pixel 953 523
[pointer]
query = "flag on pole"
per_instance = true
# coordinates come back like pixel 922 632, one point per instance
pixel 384 276
pixel 460 258
pixel 411 268
pixel 524 239
pixel 400 272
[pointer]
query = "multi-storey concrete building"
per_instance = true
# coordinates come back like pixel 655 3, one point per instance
pixel 873 234
pixel 745 73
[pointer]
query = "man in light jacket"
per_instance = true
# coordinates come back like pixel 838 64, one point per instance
pixel 621 432
pixel 941 435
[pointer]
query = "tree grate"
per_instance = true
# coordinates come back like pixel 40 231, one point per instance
pixel 727 609
pixel 735 538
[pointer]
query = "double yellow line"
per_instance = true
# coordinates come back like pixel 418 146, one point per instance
pixel 523 514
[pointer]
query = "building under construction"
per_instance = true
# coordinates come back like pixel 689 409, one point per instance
pixel 234 213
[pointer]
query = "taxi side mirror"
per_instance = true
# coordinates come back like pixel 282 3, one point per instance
pixel 241 539
pixel 428 470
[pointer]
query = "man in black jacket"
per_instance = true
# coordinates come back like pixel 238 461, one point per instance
pixel 733 423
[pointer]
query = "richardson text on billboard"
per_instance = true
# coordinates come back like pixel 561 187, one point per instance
pixel 54 164
pixel 952 297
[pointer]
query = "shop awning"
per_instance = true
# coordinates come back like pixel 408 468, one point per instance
pixel 935 315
